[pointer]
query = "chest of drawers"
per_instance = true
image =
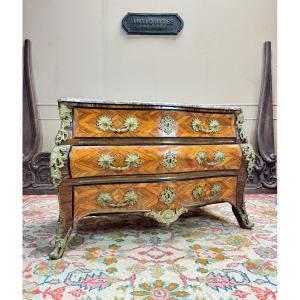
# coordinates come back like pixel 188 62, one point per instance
pixel 160 159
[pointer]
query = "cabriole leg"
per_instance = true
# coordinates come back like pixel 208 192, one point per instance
pixel 65 222
pixel 239 209
pixel 242 216
pixel 61 239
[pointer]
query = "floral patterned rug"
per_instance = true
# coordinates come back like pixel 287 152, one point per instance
pixel 202 256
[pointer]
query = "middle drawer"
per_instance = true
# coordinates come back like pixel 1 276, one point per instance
pixel 90 161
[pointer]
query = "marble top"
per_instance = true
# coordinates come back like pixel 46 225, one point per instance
pixel 118 102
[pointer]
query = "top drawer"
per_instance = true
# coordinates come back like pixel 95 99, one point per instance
pixel 97 122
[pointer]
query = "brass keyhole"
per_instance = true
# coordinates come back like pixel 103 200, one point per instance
pixel 167 196
pixel 167 124
pixel 169 160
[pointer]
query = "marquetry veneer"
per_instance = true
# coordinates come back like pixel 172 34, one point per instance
pixel 159 159
pixel 85 123
pixel 84 160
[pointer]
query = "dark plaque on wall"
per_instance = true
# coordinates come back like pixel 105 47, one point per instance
pixel 142 23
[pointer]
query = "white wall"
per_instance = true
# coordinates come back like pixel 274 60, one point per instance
pixel 79 49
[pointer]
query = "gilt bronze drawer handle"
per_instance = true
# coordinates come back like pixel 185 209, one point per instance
pixel 213 126
pixel 168 196
pixel 201 158
pixel 106 160
pixel 105 123
pixel 198 193
pixel 106 199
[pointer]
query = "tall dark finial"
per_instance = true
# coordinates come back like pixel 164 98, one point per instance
pixel 31 128
pixel 36 172
pixel 265 167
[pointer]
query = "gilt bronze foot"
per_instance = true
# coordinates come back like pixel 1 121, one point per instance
pixel 61 241
pixel 242 217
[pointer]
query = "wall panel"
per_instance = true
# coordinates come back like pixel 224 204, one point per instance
pixel 79 49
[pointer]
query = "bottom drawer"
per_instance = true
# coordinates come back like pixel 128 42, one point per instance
pixel 159 196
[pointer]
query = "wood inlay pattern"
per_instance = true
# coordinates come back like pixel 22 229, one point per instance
pixel 149 195
pixel 85 123
pixel 84 159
